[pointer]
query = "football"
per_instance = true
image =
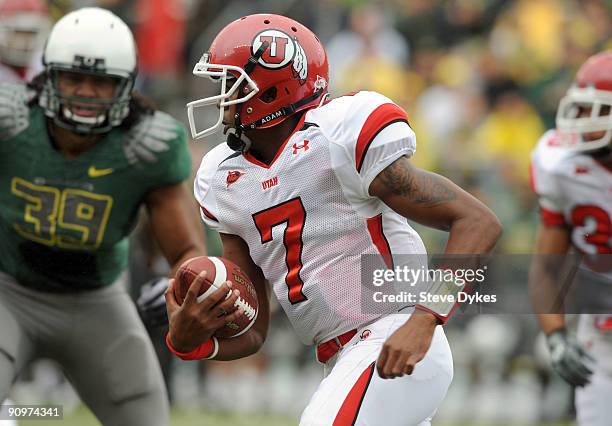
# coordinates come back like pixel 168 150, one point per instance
pixel 219 270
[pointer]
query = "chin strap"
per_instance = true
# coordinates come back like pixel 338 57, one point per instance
pixel 235 139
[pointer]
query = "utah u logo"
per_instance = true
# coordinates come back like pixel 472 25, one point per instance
pixel 280 51
pixel 278 47
pixel 297 147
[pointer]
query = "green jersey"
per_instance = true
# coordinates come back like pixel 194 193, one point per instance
pixel 64 222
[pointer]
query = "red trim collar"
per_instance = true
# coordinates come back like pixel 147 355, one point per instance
pixel 255 161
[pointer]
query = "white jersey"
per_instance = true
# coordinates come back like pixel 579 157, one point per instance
pixel 575 190
pixel 307 217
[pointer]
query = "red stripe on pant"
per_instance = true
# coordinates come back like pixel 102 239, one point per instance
pixel 349 411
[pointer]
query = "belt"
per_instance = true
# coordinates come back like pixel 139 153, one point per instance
pixel 326 350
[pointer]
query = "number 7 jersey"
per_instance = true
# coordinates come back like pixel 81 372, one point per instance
pixel 308 217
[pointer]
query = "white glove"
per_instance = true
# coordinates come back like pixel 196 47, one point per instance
pixel 569 358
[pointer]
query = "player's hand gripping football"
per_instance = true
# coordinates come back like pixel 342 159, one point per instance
pixel 193 322
pixel 569 359
pixel 406 346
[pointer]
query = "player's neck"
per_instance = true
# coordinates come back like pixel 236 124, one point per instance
pixel 265 143
pixel 69 143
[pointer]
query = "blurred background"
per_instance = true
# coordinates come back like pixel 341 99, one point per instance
pixel 480 80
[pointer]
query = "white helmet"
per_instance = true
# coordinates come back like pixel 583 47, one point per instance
pixel 92 41
pixel 592 92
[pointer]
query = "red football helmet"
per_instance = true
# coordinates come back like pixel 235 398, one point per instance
pixel 24 25
pixel 586 108
pixel 281 61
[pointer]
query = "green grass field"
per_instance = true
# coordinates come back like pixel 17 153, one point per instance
pixel 82 417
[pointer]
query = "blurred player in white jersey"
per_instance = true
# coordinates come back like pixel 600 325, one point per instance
pixel 572 175
pixel 24 26
pixel 303 187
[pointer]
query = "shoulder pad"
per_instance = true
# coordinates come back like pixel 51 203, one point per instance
pixel 150 137
pixel 342 118
pixel 211 163
pixel 14 110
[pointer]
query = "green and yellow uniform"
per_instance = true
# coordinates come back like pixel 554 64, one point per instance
pixel 64 222
pixel 63 243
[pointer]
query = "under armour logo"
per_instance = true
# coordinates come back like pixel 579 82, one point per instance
pixel 297 147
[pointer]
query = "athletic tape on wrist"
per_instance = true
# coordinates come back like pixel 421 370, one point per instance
pixel 442 308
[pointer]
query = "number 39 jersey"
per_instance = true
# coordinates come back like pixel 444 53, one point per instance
pixel 308 217
pixel 64 222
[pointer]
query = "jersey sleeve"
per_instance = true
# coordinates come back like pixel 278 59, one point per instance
pixel 158 144
pixel 205 194
pixel 371 133
pixel 544 183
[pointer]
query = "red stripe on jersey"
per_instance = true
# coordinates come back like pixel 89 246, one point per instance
pixel 375 228
pixel 380 118
pixel 208 214
pixel 352 403
pixel 550 218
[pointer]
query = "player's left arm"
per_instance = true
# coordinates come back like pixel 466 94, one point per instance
pixel 175 222
pixel 434 201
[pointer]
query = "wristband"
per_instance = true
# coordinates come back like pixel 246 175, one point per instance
pixel 441 318
pixel 448 301
pixel 207 350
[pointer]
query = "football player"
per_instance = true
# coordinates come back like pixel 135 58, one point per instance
pixel 79 155
pixel 303 187
pixel 24 25
pixel 571 170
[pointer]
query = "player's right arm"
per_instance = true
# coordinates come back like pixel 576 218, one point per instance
pixel 553 242
pixel 193 323
pixel 237 251
pixel 550 240
pixel 553 237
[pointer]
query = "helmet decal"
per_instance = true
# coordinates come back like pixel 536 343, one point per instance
pixel 300 63
pixel 283 64
pixel 281 48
